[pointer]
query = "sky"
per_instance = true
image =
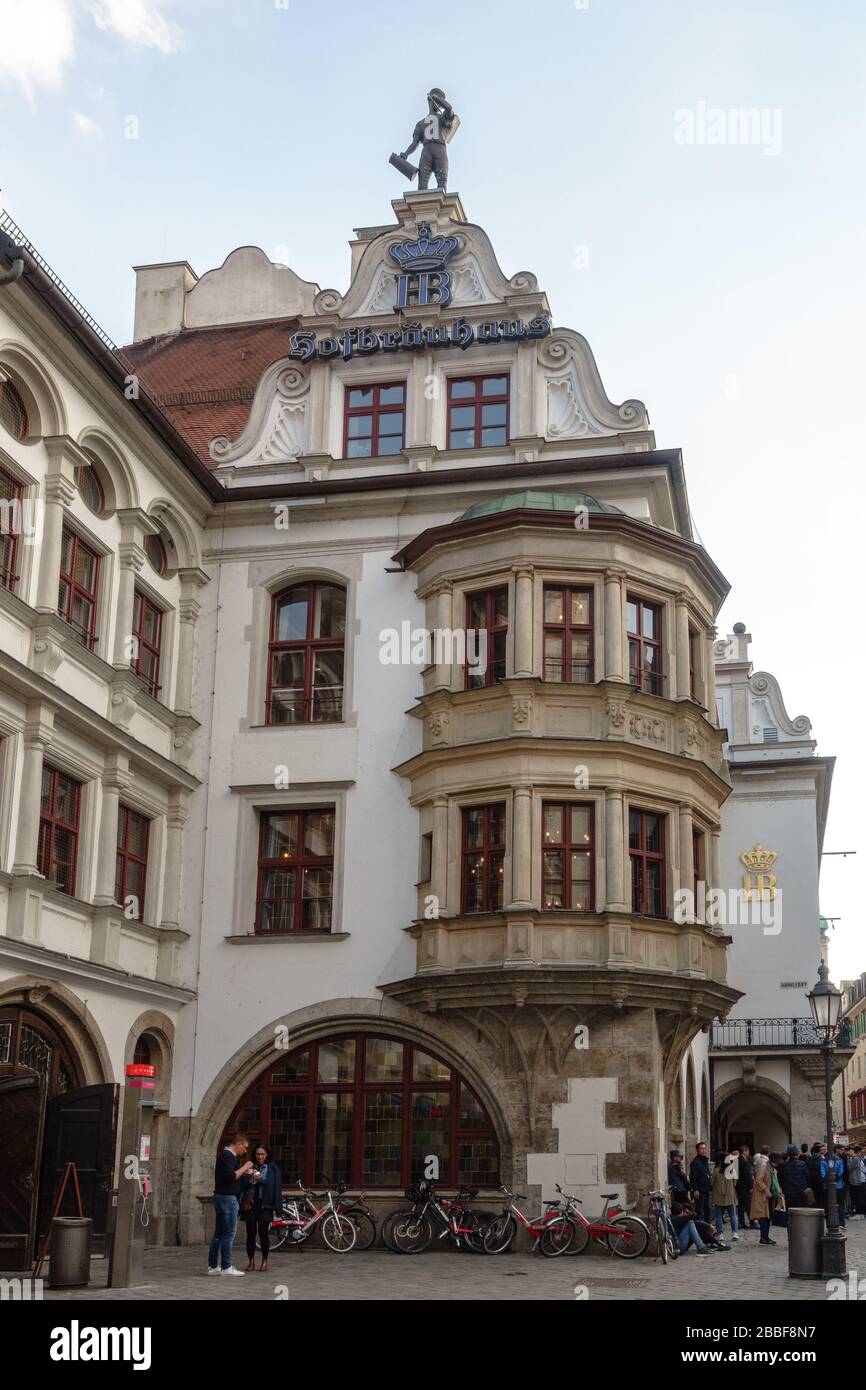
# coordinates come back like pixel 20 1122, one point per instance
pixel 714 266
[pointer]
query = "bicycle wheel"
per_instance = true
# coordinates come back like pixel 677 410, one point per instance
pixel 662 1242
pixel 580 1239
pixel 556 1238
pixel 279 1236
pixel 411 1233
pixel 365 1228
pixel 479 1221
pixel 338 1233
pixel 499 1234
pixel 631 1238
pixel 387 1228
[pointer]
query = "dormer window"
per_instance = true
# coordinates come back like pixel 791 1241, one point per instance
pixel 375 420
pixel 477 412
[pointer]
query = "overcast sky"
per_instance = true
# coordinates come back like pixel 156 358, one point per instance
pixel 718 278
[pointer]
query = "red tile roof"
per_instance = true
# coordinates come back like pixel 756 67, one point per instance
pixel 205 378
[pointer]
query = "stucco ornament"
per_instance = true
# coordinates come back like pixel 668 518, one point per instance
pixel 576 401
pixel 276 431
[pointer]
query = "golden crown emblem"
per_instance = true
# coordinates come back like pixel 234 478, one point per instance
pixel 759 860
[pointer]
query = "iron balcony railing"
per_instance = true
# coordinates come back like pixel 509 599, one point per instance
pixel 771 1032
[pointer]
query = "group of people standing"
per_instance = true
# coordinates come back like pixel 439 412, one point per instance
pixel 247 1187
pixel 755 1191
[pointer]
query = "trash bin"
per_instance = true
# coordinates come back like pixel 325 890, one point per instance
pixel 805 1229
pixel 69 1252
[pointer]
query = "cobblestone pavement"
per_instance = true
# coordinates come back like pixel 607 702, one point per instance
pixel 748 1272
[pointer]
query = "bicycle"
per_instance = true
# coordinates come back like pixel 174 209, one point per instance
pixel 410 1232
pixel 500 1233
pixel 666 1241
pixel 624 1235
pixel 296 1226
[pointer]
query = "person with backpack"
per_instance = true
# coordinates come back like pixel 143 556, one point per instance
pixel 701 1180
pixel 857 1180
pixel 724 1193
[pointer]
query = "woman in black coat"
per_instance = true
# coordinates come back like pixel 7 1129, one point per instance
pixel 261 1200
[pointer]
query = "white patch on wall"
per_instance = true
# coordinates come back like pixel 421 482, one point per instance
pixel 568 416
pixel 583 1143
pixel 383 296
pixel 468 285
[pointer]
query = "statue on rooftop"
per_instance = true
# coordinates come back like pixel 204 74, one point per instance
pixel 432 133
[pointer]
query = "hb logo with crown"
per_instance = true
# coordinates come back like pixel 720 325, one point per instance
pixel 759 880
pixel 424 278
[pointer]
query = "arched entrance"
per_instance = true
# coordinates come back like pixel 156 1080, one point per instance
pixel 374 1111
pixel 47 1117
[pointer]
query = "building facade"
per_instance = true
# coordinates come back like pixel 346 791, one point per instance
pixel 361 732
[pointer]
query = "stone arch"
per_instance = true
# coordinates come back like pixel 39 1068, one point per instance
pixel 766 1092
pixel 179 531
pixel 311 1024
pixel 115 473
pixel 46 413
pixel 160 1032
pixel 70 1017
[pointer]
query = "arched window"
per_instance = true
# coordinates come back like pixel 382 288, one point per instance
pixel 369 1111
pixel 13 412
pixel 90 488
pixel 143 1054
pixel 306 655
pixel 156 552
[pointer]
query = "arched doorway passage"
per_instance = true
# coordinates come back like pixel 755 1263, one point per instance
pixel 371 1111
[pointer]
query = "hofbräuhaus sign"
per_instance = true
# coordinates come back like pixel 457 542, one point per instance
pixel 364 342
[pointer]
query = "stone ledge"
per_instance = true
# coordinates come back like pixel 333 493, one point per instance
pixel 250 938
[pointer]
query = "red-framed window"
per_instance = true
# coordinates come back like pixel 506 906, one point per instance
pixel 646 847
pixel 483 857
pixel 487 620
pixel 306 655
pixel 568 634
pixel 11 502
pixel 13 411
pixel 477 411
pixel 59 815
pixel 147 631
pixel 79 585
pixel 644 621
pixel 368 1111
pixel 375 419
pixel 694 662
pixel 296 872
pixel 130 874
pixel 567 856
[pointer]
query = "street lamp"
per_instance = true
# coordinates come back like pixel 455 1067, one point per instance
pixel 825 1001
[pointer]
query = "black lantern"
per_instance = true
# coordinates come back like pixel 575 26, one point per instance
pixel 825 1001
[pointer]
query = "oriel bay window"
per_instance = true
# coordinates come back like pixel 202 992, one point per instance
pixel 567 858
pixel 296 872
pixel 568 654
pixel 375 420
pixel 147 631
pixel 486 634
pixel 477 412
pixel 130 873
pixel 483 857
pixel 59 815
pixel 79 582
pixel 644 622
pixel 306 655
pixel 369 1111
pixel 646 847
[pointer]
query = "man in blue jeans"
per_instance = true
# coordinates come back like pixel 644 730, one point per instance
pixel 228 1171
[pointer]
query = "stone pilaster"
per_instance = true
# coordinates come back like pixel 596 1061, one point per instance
pixel 615 663
pixel 523 620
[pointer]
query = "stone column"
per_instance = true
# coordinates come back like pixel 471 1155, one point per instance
pixel 135 524
pixel 521 846
pixel 37 735
pixel 174 823
pixel 189 608
pixel 682 652
pixel 418 408
pixel 439 853
pixel 523 620
pixel 614 852
pixel 59 492
pixel 687 857
pixel 443 647
pixel 615 664
pixel 115 779
pixel 713 870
